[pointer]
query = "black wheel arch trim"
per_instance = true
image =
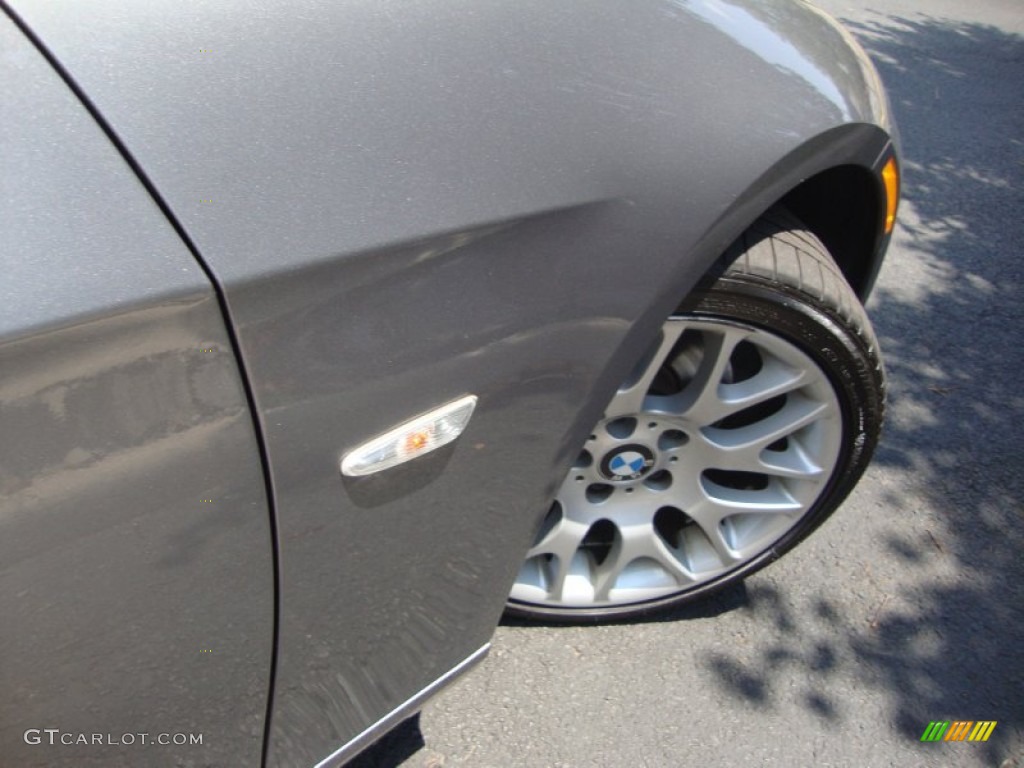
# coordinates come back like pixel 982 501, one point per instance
pixel 860 147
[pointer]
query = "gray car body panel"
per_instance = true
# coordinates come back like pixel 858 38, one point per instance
pixel 403 203
pixel 136 574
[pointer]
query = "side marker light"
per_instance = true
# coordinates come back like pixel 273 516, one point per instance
pixel 891 178
pixel 418 436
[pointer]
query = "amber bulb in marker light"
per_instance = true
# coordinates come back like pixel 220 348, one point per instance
pixel 417 440
pixel 416 437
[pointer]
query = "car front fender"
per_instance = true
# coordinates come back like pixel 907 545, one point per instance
pixel 401 203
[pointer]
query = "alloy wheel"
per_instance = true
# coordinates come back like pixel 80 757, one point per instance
pixel 714 449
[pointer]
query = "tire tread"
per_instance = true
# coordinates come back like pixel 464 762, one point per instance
pixel 779 248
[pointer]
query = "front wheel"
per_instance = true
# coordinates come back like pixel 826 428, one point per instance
pixel 747 422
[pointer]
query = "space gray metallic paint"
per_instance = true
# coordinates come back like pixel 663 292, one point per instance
pixel 136 581
pixel 405 202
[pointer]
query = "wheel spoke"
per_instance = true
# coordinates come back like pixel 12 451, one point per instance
pixel 701 402
pixel 723 502
pixel 708 515
pixel 669 562
pixel 633 543
pixel 796 414
pixel 623 552
pixel 794 462
pixel 564 537
pixel 748 520
pixel 630 397
pixel 562 541
pixel 773 380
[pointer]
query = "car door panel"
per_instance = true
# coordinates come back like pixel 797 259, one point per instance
pixel 136 574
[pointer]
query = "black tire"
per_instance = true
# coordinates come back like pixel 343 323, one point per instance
pixel 779 277
pixel 795 289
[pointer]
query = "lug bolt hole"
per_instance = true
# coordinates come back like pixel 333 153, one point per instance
pixel 671 439
pixel 621 428
pixel 584 460
pixel 659 481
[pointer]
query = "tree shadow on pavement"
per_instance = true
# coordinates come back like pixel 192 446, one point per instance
pixel 948 642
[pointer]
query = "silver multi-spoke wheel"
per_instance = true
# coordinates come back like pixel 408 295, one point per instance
pixel 728 443
pixel 712 451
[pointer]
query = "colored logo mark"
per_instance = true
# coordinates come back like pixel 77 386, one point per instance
pixel 631 460
pixel 958 730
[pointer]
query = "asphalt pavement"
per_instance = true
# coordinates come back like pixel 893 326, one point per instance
pixel 907 606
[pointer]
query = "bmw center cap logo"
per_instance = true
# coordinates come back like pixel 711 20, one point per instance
pixel 627 463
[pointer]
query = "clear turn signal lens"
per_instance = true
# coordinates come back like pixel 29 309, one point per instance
pixel 415 437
